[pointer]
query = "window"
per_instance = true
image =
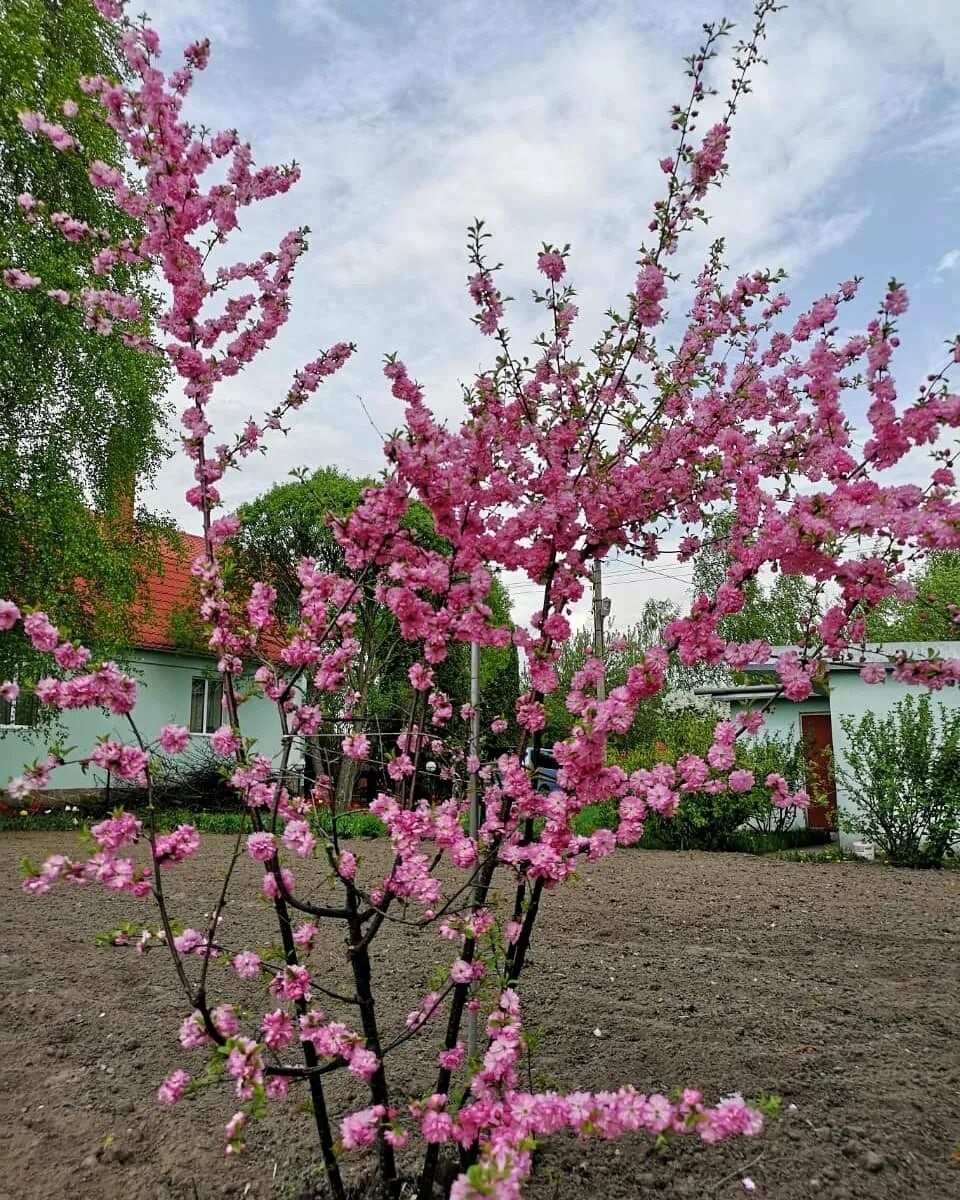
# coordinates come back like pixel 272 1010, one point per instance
pixel 20 713
pixel 206 707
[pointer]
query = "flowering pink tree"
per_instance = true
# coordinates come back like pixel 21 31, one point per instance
pixel 557 461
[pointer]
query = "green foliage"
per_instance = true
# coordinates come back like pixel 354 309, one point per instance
pixel 596 816
pixel 717 822
pixel 293 521
pixel 903 772
pixel 778 613
pixel 928 617
pixel 772 754
pixel 358 823
pixel 80 415
pixel 702 821
pixel 769 1105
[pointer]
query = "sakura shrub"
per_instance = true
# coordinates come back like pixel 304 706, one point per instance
pixel 558 460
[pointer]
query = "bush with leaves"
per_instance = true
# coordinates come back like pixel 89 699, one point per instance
pixel 773 754
pixel 703 820
pixel 903 773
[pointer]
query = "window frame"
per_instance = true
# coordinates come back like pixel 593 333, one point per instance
pixel 211 705
pixel 10 708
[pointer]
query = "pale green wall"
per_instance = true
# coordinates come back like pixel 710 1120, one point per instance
pixel 164 698
pixel 850 696
pixel 782 719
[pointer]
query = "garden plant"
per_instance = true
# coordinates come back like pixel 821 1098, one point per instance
pixel 904 778
pixel 558 460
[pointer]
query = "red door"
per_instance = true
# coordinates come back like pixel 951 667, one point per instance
pixel 818 751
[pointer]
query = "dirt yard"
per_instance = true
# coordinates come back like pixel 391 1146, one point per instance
pixel 834 986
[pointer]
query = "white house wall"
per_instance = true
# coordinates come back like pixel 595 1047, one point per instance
pixel 851 697
pixel 164 698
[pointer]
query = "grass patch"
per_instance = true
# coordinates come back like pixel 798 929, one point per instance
pixel 349 825
pixel 749 841
pixel 363 824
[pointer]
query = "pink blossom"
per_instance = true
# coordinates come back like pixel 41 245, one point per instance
pixel 246 964
pixel 464 972
pixel 360 1128
pixel 225 741
pixel 363 1063
pixel 225 1019
pixel 172 848
pixel 551 264
pixel 741 781
pixel 421 677
pixel 126 762
pixel 650 290
pixel 174 739
pixel 70 657
pixel 234 1133
pixel 298 838
pixel 277 1029
pixel 356 746
pixel 42 633
pixel 103 175
pixel 193 1034
pixel 116 832
pixel 261 846
pixel 9 614
pixel 13 277
pixel 270 889
pixel 452 1060
pixel 173 1088
pixel 304 936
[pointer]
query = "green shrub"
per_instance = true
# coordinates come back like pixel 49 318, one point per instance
pixel 903 773
pixel 772 754
pixel 594 817
pixel 702 821
pixel 196 780
pixel 358 823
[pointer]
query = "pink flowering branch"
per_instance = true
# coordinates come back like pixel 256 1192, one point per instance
pixel 552 466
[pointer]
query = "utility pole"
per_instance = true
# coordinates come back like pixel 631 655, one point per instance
pixel 474 795
pixel 601 609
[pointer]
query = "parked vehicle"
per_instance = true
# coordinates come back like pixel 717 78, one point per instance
pixel 545 769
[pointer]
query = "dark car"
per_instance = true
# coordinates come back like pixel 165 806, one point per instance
pixel 544 767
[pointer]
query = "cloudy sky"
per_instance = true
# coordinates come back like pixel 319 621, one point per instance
pixel 547 118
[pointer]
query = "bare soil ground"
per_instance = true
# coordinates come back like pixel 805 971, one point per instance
pixel 835 986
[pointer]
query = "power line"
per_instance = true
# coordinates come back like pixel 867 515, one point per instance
pixel 631 575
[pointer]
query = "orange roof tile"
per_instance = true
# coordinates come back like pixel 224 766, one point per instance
pixel 168 589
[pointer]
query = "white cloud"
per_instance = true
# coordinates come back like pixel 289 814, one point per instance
pixel 548 120
pixel 949 262
pixel 225 22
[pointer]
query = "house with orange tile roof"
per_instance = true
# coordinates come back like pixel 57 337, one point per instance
pixel 178 684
